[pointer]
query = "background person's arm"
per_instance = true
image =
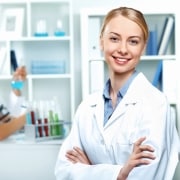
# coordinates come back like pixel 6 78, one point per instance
pixel 13 125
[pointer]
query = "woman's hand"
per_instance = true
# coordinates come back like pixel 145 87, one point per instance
pixel 142 155
pixel 77 155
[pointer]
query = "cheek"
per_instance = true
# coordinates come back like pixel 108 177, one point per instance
pixel 107 52
pixel 109 48
pixel 136 52
pixel 106 46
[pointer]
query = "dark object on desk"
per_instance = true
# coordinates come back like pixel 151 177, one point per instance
pixel 3 113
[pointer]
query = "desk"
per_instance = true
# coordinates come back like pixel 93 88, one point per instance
pixel 21 160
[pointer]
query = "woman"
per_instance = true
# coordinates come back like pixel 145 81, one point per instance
pixel 12 113
pixel 125 131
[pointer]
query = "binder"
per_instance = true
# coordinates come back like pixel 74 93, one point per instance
pixel 166 35
pixel 157 80
pixel 14 63
pixel 152 45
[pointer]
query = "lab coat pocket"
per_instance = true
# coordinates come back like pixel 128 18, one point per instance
pixel 121 152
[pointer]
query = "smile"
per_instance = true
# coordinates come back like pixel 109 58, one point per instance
pixel 121 60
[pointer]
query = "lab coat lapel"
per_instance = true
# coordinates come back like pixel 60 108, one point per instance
pixel 98 110
pixel 133 95
pixel 121 109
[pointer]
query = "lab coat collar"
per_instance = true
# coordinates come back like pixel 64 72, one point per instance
pixel 133 95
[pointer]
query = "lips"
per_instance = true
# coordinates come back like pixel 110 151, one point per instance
pixel 121 60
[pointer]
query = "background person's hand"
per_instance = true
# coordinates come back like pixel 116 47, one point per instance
pixel 20 73
pixel 19 77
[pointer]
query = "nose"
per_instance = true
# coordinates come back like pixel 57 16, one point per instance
pixel 122 47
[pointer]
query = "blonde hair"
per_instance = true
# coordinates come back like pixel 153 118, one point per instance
pixel 130 13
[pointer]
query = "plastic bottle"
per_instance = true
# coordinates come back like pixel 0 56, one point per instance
pixel 57 115
pixel 57 124
pixel 51 119
pixel 59 29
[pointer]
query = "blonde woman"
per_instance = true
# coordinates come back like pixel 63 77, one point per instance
pixel 125 130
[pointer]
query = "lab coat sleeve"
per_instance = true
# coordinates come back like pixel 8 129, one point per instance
pixel 173 144
pixel 65 170
pixel 165 141
pixel 15 105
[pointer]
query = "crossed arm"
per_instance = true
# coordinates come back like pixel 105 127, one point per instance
pixel 141 155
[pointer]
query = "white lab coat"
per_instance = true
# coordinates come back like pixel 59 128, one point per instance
pixel 144 111
pixel 14 104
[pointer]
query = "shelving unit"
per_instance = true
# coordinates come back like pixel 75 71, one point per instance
pixel 94 72
pixel 46 49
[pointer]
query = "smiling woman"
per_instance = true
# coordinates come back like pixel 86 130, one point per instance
pixel 125 130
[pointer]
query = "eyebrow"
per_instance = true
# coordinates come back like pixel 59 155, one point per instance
pixel 114 33
pixel 134 36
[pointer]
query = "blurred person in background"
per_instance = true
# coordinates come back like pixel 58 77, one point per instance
pixel 12 113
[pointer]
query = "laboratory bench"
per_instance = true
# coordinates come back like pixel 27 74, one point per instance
pixel 28 160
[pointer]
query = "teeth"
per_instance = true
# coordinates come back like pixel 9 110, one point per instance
pixel 123 60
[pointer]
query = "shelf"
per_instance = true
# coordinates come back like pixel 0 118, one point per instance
pixel 143 58
pixel 32 38
pixel 48 59
pixel 49 76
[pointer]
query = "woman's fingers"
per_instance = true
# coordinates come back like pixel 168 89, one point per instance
pixel 77 155
pixel 146 148
pixel 139 147
pixel 139 141
pixel 142 153
pixel 70 155
pixel 145 154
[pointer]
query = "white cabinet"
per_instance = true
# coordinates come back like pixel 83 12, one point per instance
pixel 30 161
pixel 47 56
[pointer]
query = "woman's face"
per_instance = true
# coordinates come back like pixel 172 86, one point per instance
pixel 122 44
